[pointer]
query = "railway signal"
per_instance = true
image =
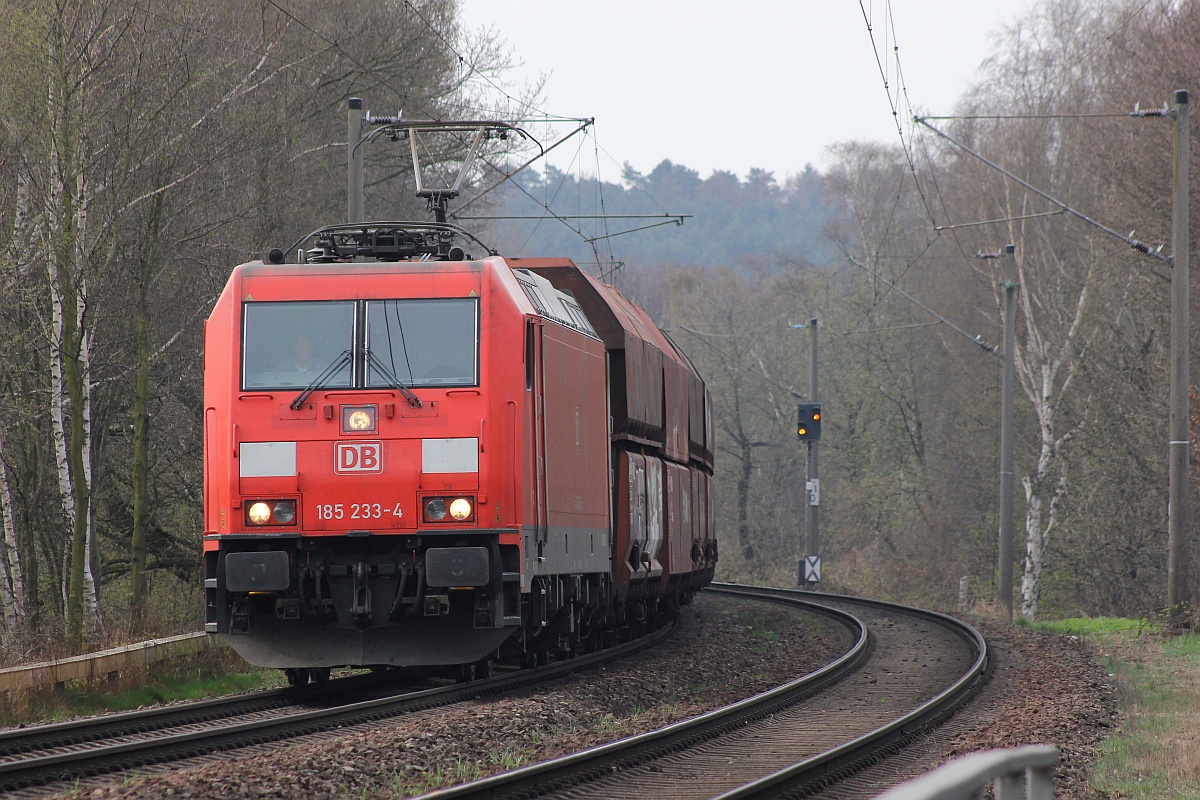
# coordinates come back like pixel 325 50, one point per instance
pixel 808 422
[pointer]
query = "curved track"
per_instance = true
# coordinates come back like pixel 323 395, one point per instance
pixel 909 670
pixel 45 755
pixel 888 689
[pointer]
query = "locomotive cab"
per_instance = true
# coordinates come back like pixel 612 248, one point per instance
pixel 344 506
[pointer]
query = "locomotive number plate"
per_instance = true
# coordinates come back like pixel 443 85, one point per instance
pixel 355 458
pixel 357 511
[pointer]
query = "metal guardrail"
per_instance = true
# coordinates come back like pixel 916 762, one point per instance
pixel 92 666
pixel 1019 773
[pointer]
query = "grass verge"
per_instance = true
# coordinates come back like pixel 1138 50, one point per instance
pixel 1155 755
pixel 209 675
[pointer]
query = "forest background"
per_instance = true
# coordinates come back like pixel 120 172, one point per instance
pixel 146 148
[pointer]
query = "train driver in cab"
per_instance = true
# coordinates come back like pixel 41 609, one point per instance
pixel 302 359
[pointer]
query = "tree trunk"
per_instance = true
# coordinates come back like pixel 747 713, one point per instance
pixel 12 581
pixel 743 502
pixel 141 455
pixel 72 470
pixel 70 371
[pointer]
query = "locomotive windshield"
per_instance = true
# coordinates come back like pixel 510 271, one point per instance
pixel 423 342
pixel 419 342
pixel 291 344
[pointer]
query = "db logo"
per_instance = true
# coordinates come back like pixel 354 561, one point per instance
pixel 355 457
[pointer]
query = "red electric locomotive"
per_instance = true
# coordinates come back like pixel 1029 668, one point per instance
pixel 415 457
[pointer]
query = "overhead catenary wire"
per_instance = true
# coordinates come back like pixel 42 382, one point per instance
pixel 266 56
pixel 893 328
pixel 1141 247
pixel 607 241
pixel 902 90
pixel 1025 116
pixel 978 341
pixel 997 221
pixel 908 153
pixel 584 124
pixel 548 118
pixel 319 35
pixel 508 175
pixel 676 219
pixel 669 217
pixel 1063 208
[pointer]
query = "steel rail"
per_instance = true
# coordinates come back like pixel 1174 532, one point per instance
pixel 832 765
pixel 593 762
pixel 581 767
pixel 128 723
pixel 163 745
pixel 194 712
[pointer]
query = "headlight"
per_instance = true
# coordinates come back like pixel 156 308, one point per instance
pixel 259 513
pixel 271 512
pixel 358 419
pixel 460 509
pixel 449 509
pixel 435 509
pixel 285 512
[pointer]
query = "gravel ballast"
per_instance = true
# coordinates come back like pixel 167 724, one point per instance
pixel 1045 689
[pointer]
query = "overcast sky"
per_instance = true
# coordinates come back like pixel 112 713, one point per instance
pixel 736 84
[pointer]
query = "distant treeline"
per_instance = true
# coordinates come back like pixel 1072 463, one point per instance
pixel 729 220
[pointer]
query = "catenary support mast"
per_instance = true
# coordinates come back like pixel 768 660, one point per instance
pixel 1180 439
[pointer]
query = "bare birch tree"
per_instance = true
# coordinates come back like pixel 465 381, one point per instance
pixel 146 148
pixel 1039 82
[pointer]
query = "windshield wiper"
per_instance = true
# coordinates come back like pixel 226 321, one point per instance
pixel 322 379
pixel 392 380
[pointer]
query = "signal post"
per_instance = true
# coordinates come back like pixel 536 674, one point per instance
pixel 808 429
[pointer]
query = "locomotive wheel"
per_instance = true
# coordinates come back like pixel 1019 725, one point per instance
pixel 319 674
pixel 297 678
pixel 534 659
pixel 466 673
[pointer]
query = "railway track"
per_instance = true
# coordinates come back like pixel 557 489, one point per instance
pixel 908 671
pixel 46 756
pixel 787 742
